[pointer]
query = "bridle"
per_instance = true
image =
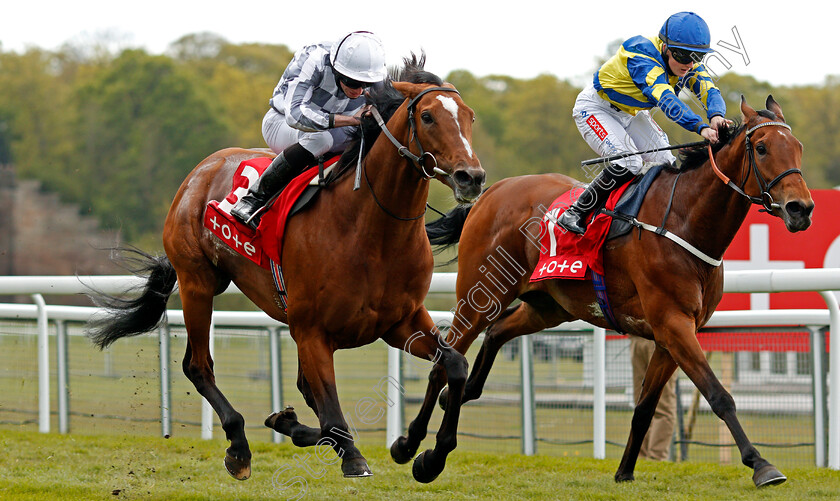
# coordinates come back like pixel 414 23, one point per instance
pixel 764 199
pixel 417 161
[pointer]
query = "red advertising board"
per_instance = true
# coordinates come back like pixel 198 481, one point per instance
pixel 764 243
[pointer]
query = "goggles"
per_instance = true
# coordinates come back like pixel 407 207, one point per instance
pixel 683 56
pixel 352 84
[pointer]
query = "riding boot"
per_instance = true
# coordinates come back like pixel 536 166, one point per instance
pixel 285 166
pixel 593 198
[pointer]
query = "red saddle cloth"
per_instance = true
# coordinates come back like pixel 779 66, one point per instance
pixel 264 245
pixel 564 254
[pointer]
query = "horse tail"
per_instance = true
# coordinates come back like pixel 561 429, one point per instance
pixel 136 315
pixel 445 231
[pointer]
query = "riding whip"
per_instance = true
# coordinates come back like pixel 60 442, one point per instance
pixel 625 155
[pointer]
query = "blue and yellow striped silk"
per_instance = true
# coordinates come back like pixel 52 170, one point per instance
pixel 636 79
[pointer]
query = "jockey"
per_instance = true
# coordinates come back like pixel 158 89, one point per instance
pixel 612 113
pixel 318 99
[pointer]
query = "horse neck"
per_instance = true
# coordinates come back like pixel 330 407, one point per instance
pixel 396 184
pixel 712 211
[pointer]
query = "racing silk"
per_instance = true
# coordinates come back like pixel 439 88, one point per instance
pixel 308 91
pixel 636 79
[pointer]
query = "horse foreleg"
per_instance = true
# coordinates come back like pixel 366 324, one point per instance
pixel 405 447
pixel 465 328
pixel 659 371
pixel 198 367
pixel 316 367
pixel 686 351
pixel 422 339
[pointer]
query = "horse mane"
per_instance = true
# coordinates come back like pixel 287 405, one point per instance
pixel 691 158
pixel 387 100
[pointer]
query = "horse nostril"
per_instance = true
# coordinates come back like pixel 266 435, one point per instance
pixel 798 209
pixel 462 178
pixel 480 178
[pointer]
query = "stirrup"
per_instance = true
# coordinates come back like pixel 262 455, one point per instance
pixel 248 213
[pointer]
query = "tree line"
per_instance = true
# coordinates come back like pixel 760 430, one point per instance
pixel 117 131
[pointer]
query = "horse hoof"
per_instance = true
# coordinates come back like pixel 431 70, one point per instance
pixel 240 469
pixel 443 397
pixel 281 422
pixel 355 468
pixel 622 477
pixel 421 472
pixel 768 475
pixel 399 452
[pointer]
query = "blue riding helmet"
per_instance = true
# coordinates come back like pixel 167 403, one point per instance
pixel 686 30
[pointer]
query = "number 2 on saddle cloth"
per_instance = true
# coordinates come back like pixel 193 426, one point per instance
pixel 263 246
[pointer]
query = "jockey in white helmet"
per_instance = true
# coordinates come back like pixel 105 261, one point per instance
pixel 318 99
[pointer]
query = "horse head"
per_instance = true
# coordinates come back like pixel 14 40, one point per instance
pixel 775 154
pixel 441 125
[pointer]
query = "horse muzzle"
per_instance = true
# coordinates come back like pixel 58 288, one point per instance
pixel 467 182
pixel 797 215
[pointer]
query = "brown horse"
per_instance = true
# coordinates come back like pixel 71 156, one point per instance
pixel 357 264
pixel 657 289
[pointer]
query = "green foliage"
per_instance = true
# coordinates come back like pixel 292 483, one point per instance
pixel 117 133
pixel 143 125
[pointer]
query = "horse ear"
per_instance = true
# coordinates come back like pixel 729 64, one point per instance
pixel 407 89
pixel 773 106
pixel 746 110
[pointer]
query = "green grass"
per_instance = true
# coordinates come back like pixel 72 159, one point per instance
pixel 38 466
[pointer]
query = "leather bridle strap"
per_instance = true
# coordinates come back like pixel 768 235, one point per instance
pixel 417 160
pixel 765 199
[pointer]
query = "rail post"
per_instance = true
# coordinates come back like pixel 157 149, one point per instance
pixel 43 364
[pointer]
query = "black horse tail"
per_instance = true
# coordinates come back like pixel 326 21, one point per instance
pixel 445 231
pixel 132 316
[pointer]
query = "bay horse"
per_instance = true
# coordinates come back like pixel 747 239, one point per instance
pixel 657 289
pixel 357 264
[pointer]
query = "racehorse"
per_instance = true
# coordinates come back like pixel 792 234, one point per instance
pixel 357 264
pixel 657 289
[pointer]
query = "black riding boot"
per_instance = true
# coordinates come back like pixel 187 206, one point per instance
pixel 593 198
pixel 285 166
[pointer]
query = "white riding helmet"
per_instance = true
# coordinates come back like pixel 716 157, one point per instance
pixel 359 55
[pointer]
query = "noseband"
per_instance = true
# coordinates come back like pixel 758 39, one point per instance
pixel 764 199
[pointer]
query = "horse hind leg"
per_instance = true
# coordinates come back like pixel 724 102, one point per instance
pixel 197 302
pixel 286 422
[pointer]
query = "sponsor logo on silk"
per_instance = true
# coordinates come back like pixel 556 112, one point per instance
pixel 567 268
pixel 596 126
pixel 230 235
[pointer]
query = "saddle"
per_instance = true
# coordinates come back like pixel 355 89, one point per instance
pixel 263 246
pixel 567 255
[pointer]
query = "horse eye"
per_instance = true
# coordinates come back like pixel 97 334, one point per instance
pixel 761 149
pixel 427 118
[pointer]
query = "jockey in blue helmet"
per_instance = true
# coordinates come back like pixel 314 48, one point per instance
pixel 612 113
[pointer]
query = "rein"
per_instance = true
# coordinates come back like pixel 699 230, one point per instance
pixel 764 199
pixel 417 161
